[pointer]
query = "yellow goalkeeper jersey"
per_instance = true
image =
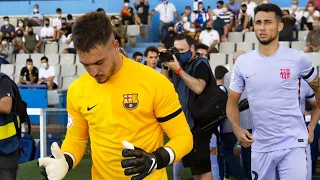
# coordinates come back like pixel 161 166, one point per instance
pixel 137 104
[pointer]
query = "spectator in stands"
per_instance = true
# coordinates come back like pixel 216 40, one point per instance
pixel 70 49
pixel 127 14
pixel 309 16
pixel 250 7
pixel 31 42
pixel 234 7
pixel 297 13
pixel 202 16
pixel 29 74
pixel 21 25
pixel 70 21
pixel 227 16
pixel 17 42
pixel 188 12
pixel 313 39
pixel 47 74
pixel 169 38
pixel 151 55
pixel 287 32
pixel 167 13
pixel 202 50
pixel 6 51
pixel 7 30
pixel 57 20
pixel 218 25
pixel 218 10
pixel 183 26
pixel 161 48
pixel 242 23
pixel 137 56
pixel 63 33
pixel 142 11
pixel 119 32
pixel 316 4
pixel 210 38
pixel 36 19
pixel 47 32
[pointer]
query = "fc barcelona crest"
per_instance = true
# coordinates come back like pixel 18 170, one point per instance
pixel 285 73
pixel 130 101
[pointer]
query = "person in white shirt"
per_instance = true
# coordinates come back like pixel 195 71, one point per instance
pixel 167 13
pixel 297 13
pixel 183 25
pixel 151 55
pixel 219 10
pixel 70 49
pixel 36 18
pixel 250 7
pixel 47 31
pixel 47 74
pixel 309 16
pixel 210 37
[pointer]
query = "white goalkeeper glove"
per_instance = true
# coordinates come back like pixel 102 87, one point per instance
pixel 56 167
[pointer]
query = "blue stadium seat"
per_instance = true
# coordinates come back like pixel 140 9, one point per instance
pixel 51 138
pixel 28 147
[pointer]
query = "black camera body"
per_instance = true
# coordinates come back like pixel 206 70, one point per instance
pixel 167 56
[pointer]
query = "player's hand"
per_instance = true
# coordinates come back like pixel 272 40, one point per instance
pixel 138 162
pixel 54 168
pixel 244 137
pixel 311 135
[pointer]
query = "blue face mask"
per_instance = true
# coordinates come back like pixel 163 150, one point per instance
pixel 185 57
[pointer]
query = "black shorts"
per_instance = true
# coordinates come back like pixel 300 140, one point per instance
pixel 71 50
pixel 199 158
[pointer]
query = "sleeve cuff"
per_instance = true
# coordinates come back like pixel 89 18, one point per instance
pixel 70 159
pixel 171 154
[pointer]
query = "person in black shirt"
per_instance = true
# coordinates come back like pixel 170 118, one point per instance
pixel 142 11
pixel 191 75
pixel 169 39
pixel 289 22
pixel 29 74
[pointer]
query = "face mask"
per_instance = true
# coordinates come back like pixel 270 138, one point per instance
pixel 63 24
pixel 19 34
pixel 214 18
pixel 35 10
pixel 224 9
pixel 218 6
pixel 4 42
pixel 310 8
pixel 43 65
pixel 185 57
pixel 29 66
pixel 209 28
pixel 5 22
pixel 30 32
pixel 244 11
pixel 185 19
pixel 116 25
pixel 192 30
pixel 294 7
pixel 165 1
pixel 171 31
pixel 126 4
pixel 20 24
pixel 47 24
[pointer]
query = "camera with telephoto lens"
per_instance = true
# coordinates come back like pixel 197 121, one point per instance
pixel 167 56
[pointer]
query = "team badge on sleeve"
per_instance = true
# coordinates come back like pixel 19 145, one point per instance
pixel 285 73
pixel 70 121
pixel 130 101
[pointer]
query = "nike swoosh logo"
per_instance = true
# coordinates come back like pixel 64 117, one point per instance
pixel 251 75
pixel 153 165
pixel 89 108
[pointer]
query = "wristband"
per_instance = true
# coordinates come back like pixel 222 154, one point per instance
pixel 178 70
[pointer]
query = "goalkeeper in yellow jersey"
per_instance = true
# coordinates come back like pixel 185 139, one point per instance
pixel 124 107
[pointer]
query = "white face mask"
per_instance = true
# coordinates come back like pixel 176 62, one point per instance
pixel 4 42
pixel 43 65
pixel 294 7
pixel 214 18
pixel 185 19
pixel 5 22
pixel 224 9
pixel 35 10
pixel 126 4
pixel 20 24
pixel 29 66
pixel 192 30
pixel 310 8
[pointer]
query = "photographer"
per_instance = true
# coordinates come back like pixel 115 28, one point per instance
pixel 179 69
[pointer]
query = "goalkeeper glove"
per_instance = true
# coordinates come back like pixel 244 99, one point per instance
pixel 141 163
pixel 56 166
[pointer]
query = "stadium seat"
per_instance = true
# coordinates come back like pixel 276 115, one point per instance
pixel 37 30
pixel 230 61
pixel 235 37
pixel 62 47
pixel 37 59
pixel 226 47
pixel 18 69
pixel 217 59
pixel 285 43
pixel 250 37
pixel 303 35
pixel 68 70
pixel 77 59
pixel 315 58
pixel 245 46
pixel 57 69
pixel 80 70
pixel 51 138
pixel 298 45
pixel 28 147
pixel 67 59
pixel 51 48
pixel 53 58
pixel 133 30
pixel 7 69
pixel 22 58
pixel 66 81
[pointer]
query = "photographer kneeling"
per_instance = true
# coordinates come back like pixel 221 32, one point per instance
pixel 191 75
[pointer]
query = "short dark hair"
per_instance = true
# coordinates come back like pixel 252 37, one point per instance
pixel 170 25
pixel 58 10
pixel 136 54
pixel 188 38
pixel 29 60
pixel 151 49
pixel 269 8
pixel 47 19
pixel 243 5
pixel 64 18
pixel 311 2
pixel 201 46
pixel 85 40
pixel 100 10
pixel 287 11
pixel 5 17
pixel 220 71
pixel 220 2
pixel 44 58
pixel 69 17
pixel 188 7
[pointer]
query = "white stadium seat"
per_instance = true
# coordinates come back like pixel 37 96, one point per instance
pixel 235 37
pixel 57 69
pixel 68 70
pixel 226 47
pixel 66 81
pixel 217 59
pixel 18 69
pixel 77 59
pixel 22 58
pixel 285 43
pixel 53 58
pixel 51 48
pixel 7 69
pixel 67 59
pixel 36 58
pixel 230 61
pixel 62 47
pixel 133 30
pixel 303 35
pixel 250 37
pixel 298 45
pixel 315 58
pixel 80 70
pixel 245 46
